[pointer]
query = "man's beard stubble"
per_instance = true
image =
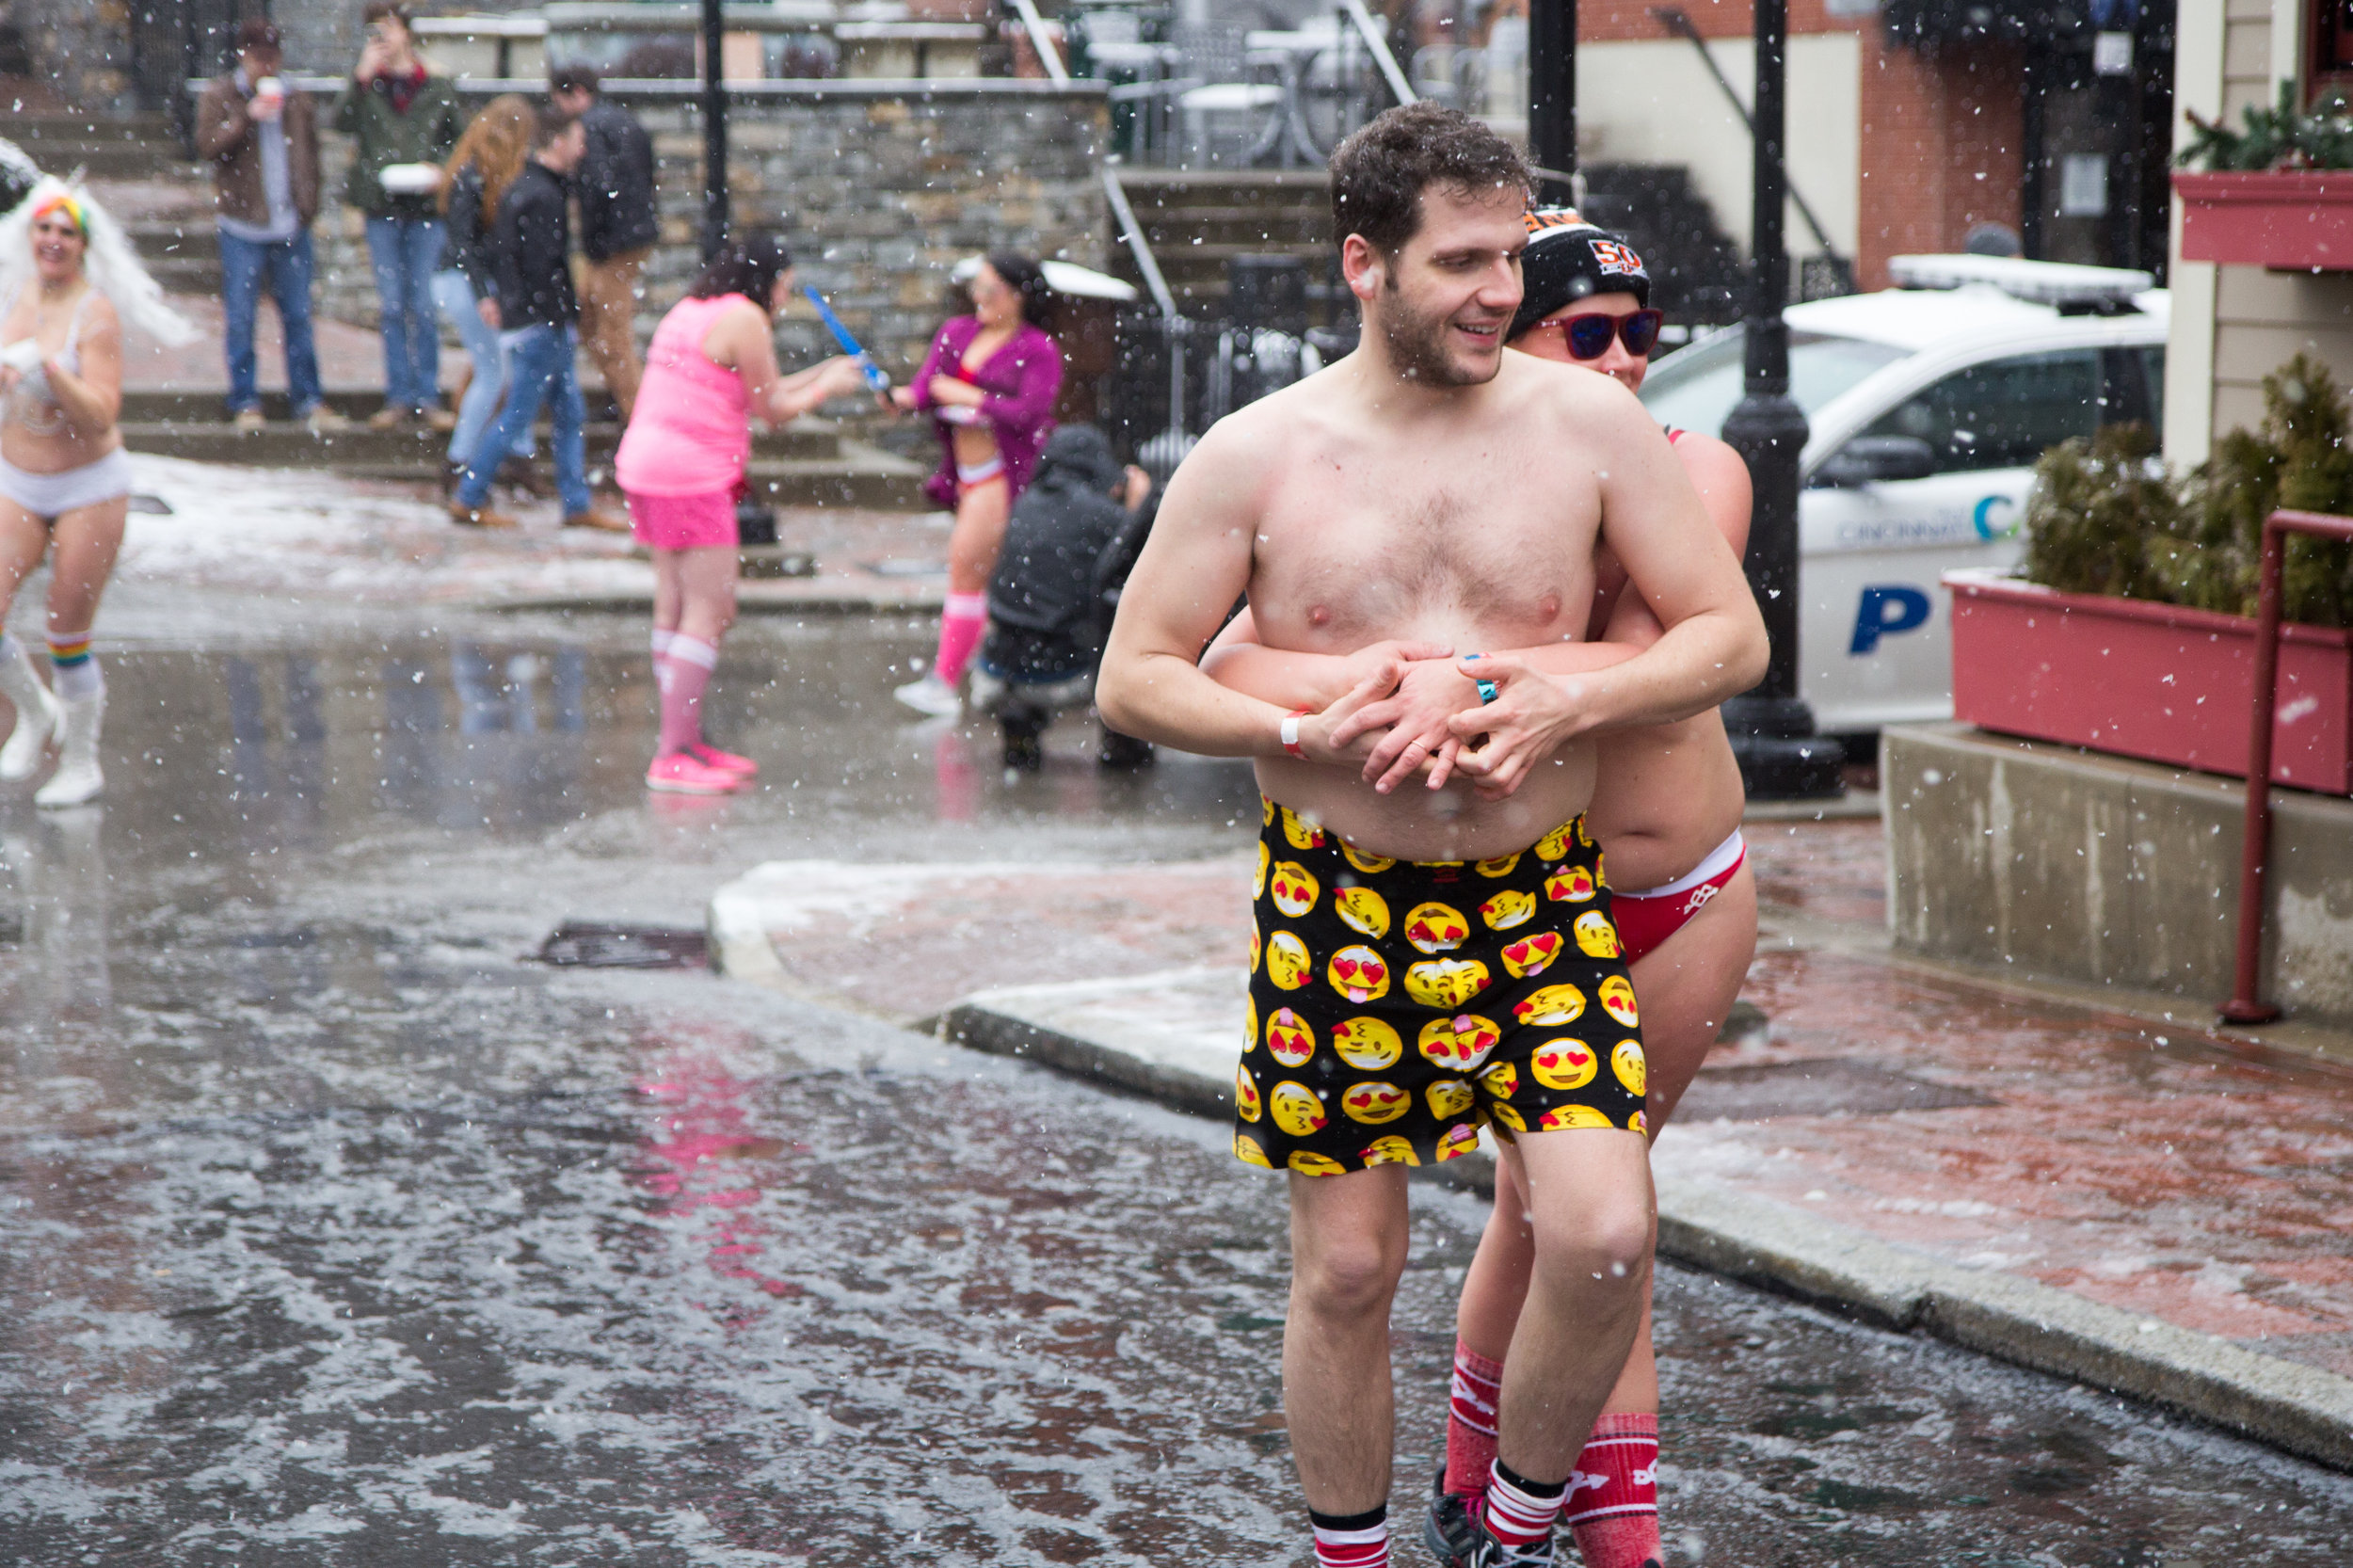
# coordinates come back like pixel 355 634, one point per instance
pixel 1418 345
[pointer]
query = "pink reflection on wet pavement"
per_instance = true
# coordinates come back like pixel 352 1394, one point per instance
pixel 706 1163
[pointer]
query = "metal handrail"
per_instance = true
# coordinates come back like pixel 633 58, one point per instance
pixel 1138 247
pixel 2246 1005
pixel 1378 41
pixel 1049 56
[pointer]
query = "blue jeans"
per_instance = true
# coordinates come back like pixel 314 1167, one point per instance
pixel 539 369
pixel 455 296
pixel 405 251
pixel 245 265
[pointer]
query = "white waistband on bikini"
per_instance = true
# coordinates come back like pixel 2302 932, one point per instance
pixel 50 495
pixel 976 473
pixel 1720 860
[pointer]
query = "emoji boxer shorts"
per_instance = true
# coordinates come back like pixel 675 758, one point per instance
pixel 1395 1006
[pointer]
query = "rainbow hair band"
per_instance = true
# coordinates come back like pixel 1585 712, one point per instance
pixel 68 652
pixel 73 210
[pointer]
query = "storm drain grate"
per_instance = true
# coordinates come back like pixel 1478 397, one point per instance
pixel 1828 1086
pixel 591 945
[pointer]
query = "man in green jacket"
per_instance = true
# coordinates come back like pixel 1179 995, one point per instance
pixel 403 121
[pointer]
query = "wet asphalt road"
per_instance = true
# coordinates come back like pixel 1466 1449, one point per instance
pixel 330 1232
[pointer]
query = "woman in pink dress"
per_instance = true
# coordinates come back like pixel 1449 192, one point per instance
pixel 990 382
pixel 713 363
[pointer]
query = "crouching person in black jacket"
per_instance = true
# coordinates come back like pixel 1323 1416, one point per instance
pixel 536 313
pixel 1072 538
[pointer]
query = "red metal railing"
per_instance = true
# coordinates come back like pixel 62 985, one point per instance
pixel 2245 1006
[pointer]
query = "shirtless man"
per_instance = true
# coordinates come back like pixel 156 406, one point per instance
pixel 1430 954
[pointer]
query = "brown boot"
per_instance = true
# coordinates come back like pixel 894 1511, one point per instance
pixel 477 517
pixel 593 519
pixel 390 417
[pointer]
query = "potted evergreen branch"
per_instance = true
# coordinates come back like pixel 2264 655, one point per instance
pixel 2277 194
pixel 2132 631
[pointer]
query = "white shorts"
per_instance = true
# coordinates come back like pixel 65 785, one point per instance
pixel 50 496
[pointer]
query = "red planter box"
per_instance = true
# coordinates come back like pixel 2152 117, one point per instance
pixel 2149 681
pixel 2298 221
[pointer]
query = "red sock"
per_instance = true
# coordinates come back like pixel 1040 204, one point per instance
pixel 1521 1512
pixel 1356 1541
pixel 1614 1492
pixel 1471 1421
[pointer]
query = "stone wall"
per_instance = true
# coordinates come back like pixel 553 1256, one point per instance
pixel 879 187
pixel 2058 863
pixel 81 48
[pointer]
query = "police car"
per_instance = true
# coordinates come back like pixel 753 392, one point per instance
pixel 1927 406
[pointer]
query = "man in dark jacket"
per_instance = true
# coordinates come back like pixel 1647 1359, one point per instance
pixel 1069 544
pixel 263 138
pixel 618 227
pixel 529 243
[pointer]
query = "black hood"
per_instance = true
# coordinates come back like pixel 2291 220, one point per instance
pixel 1078 458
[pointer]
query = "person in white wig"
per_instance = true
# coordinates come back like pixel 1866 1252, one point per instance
pixel 69 282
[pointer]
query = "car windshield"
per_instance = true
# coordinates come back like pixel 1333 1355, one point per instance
pixel 1695 387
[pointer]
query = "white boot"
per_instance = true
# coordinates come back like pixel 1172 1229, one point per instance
pixel 77 777
pixel 36 718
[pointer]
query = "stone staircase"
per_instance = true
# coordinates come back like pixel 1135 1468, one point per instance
pixel 813 463
pixel 1196 220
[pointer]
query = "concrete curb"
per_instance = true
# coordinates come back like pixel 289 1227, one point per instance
pixel 2302 1409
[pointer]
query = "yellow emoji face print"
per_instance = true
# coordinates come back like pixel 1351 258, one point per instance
pixel 1371 865
pixel 1509 1116
pixel 1361 909
pixel 1288 1039
pixel 1296 1109
pixel 1458 1141
pixel 1564 1064
pixel 1366 1044
pixel 1266 813
pixel 1257 883
pixel 1532 954
pixel 1445 982
pixel 1562 1117
pixel 1508 909
pixel 1246 1149
pixel 1308 1163
pixel 1300 833
pixel 1460 1043
pixel 1287 961
pixel 1258 945
pixel 1373 1103
pixel 1246 1103
pixel 1436 928
pixel 1360 974
pixel 1617 1000
pixel 1500 866
pixel 1595 935
pixel 1638 1123
pixel 1551 1007
pixel 1293 889
pixel 1391 1150
pixel 1250 1025
pixel 1571 884
pixel 1556 843
pixel 1450 1098
pixel 1501 1082
pixel 1625 1060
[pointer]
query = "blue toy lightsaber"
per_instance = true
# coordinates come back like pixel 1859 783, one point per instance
pixel 874 377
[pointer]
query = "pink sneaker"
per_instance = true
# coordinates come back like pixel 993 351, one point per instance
pixel 725 761
pixel 681 773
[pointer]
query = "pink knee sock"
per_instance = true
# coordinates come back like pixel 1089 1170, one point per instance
pixel 1613 1511
pixel 1471 1421
pixel 683 670
pixel 960 631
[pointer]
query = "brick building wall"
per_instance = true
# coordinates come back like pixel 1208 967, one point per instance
pixel 877 191
pixel 1942 141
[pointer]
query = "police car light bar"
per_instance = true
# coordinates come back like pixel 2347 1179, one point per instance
pixel 2061 284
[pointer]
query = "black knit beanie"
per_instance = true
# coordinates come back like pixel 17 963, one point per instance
pixel 1568 258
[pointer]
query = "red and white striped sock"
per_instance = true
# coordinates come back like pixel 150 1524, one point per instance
pixel 1614 1510
pixel 1351 1539
pixel 1521 1512
pixel 1471 1421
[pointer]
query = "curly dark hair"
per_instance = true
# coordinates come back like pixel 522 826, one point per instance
pixel 1025 279
pixel 1380 171
pixel 749 264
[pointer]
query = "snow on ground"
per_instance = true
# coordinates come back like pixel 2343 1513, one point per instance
pixel 307 533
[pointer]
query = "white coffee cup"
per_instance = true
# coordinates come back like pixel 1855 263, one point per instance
pixel 270 92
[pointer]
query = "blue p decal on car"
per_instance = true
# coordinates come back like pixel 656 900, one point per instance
pixel 1885 612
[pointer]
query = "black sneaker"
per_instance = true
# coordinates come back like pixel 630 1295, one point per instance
pixel 1487 1552
pixel 1448 1528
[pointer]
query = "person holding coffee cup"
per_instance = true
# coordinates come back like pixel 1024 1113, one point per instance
pixel 262 142
pixel 403 122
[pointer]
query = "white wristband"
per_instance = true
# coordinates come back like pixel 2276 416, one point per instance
pixel 1290 735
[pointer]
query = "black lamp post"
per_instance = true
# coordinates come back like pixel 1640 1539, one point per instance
pixel 1771 728
pixel 714 132
pixel 1552 95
